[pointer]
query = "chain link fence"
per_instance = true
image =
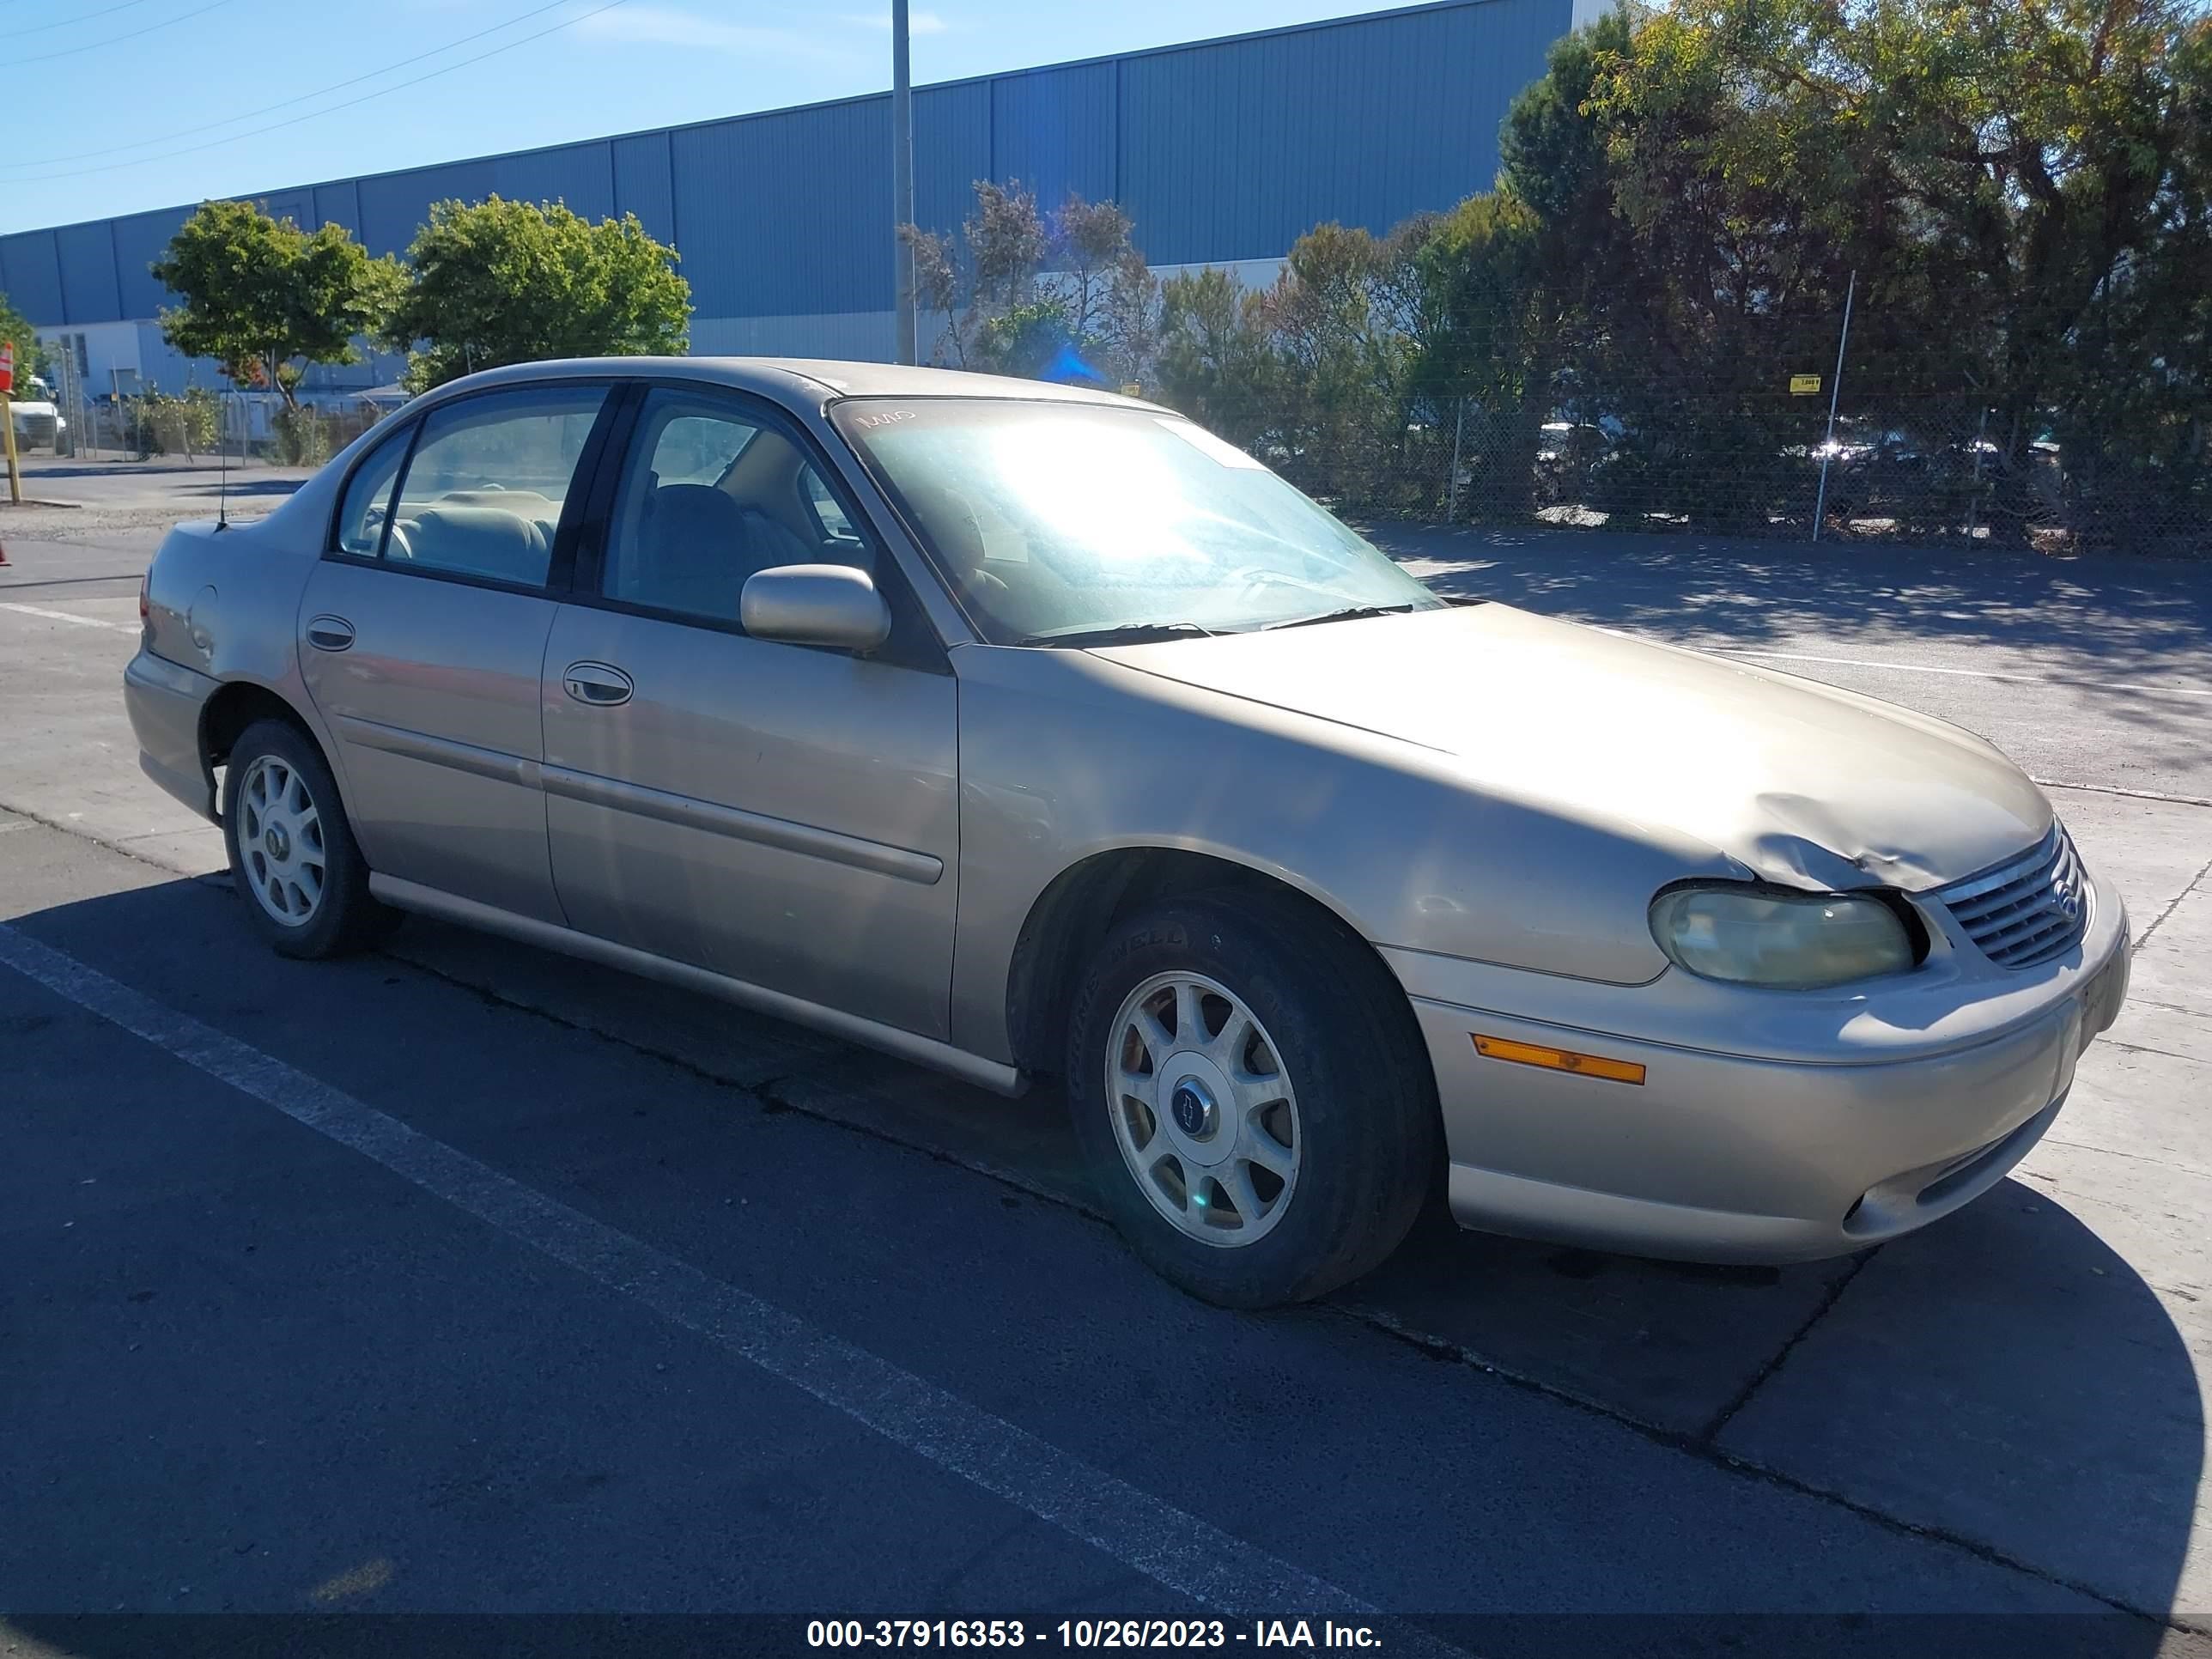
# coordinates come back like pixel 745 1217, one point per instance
pixel 128 422
pixel 1913 470
pixel 1863 425
pixel 245 430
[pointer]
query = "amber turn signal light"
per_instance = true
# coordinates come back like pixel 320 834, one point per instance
pixel 1558 1060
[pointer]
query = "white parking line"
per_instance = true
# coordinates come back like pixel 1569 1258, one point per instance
pixel 69 616
pixel 2147 688
pixel 1172 1547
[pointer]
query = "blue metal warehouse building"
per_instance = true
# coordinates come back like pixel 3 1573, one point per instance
pixel 1223 152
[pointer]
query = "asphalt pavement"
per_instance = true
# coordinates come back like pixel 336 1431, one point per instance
pixel 464 1279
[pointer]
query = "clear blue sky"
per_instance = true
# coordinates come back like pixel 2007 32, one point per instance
pixel 122 104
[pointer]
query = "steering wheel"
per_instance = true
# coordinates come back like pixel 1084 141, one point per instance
pixel 1257 575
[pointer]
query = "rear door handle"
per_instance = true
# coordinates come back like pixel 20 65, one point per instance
pixel 597 683
pixel 330 633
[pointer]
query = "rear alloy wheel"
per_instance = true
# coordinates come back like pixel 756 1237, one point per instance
pixel 1253 1101
pixel 292 852
pixel 280 835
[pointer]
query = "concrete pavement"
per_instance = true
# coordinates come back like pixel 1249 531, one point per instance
pixel 168 486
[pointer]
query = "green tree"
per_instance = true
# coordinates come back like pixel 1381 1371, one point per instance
pixel 1111 297
pixel 1216 361
pixel 1063 294
pixel 30 355
pixel 938 292
pixel 2019 186
pixel 1693 244
pixel 983 284
pixel 260 291
pixel 2061 154
pixel 1488 356
pixel 1348 317
pixel 500 282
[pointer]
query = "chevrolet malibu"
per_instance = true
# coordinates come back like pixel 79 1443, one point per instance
pixel 1028 733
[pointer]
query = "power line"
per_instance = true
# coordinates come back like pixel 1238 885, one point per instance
pixel 117 39
pixel 314 114
pixel 283 103
pixel 41 29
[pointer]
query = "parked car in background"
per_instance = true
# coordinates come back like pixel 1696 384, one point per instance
pixel 383 399
pixel 1568 454
pixel 1030 731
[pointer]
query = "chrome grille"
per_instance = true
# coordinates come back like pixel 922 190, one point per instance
pixel 2028 909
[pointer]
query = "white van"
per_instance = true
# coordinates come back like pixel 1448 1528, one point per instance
pixel 38 423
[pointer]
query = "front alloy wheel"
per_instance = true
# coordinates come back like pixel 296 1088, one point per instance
pixel 1205 1115
pixel 1252 1096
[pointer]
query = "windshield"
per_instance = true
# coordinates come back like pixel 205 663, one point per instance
pixel 1061 523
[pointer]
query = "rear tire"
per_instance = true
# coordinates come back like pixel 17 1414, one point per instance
pixel 1252 1099
pixel 293 857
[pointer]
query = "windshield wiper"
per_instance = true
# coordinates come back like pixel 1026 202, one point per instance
pixel 1350 613
pixel 1123 634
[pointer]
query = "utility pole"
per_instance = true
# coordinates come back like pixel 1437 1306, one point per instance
pixel 1835 390
pixel 901 178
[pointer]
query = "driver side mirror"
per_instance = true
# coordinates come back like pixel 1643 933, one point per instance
pixel 831 604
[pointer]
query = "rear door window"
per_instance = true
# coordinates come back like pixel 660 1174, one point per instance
pixel 483 494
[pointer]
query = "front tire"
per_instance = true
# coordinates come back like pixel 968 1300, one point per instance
pixel 1252 1099
pixel 293 857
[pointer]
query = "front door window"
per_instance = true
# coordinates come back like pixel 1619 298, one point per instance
pixel 713 495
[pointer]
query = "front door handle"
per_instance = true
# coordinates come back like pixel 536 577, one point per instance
pixel 598 684
pixel 330 633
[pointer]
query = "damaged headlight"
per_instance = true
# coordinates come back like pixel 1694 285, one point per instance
pixel 1754 936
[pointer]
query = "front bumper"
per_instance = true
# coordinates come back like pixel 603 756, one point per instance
pixel 1733 1157
pixel 165 702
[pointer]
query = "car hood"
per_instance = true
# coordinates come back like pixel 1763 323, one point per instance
pixel 1799 782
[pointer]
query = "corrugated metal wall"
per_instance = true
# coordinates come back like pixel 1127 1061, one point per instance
pixel 31 276
pixel 1363 122
pixel 1221 151
pixel 643 183
pixel 139 240
pixel 1056 129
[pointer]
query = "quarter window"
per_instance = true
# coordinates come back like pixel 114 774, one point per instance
pixel 368 496
pixel 710 496
pixel 483 494
pixel 828 513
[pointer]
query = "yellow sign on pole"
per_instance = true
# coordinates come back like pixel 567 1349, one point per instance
pixel 1802 385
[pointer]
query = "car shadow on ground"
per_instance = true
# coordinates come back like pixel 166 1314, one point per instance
pixel 242 486
pixel 2107 614
pixel 89 470
pixel 2003 1379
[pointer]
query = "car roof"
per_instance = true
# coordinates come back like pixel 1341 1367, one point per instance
pixel 815 381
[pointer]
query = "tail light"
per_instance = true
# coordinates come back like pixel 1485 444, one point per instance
pixel 145 605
